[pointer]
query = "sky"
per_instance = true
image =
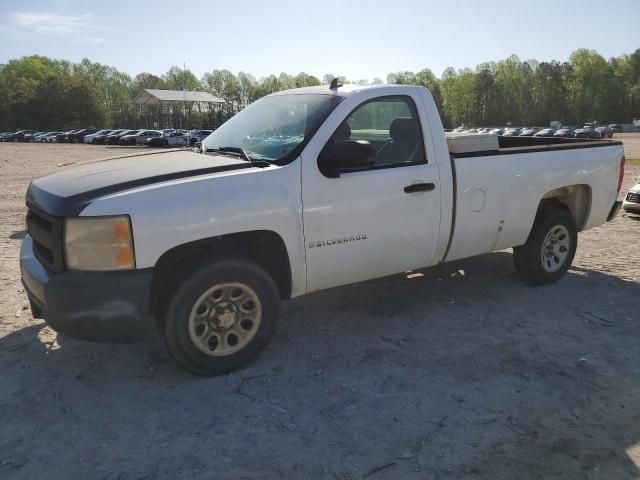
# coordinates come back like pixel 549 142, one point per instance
pixel 355 38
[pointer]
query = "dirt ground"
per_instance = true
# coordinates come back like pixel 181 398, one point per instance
pixel 464 372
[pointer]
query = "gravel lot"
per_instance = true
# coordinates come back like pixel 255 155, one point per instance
pixel 463 372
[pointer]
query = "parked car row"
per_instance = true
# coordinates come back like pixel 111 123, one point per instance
pixel 154 138
pixel 23 136
pixel 587 131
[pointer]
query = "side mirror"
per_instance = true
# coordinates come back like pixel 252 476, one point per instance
pixel 346 155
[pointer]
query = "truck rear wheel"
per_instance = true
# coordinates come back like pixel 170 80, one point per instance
pixel 550 248
pixel 221 316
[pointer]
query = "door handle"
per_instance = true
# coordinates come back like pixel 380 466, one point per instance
pixel 419 187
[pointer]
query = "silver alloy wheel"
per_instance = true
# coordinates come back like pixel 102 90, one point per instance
pixel 225 318
pixel 555 248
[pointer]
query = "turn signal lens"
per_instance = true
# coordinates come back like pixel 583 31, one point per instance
pixel 98 243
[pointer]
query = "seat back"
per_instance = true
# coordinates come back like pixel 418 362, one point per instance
pixel 404 133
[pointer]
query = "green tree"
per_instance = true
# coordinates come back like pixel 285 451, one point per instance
pixel 180 79
pixel 247 84
pixel 224 84
pixel 304 80
pixel 38 92
pixel 588 86
pixel 147 80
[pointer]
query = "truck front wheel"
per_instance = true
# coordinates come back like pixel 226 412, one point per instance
pixel 221 316
pixel 550 248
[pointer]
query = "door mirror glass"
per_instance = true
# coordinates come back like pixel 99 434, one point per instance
pixel 355 154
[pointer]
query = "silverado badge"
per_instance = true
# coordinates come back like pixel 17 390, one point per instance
pixel 337 241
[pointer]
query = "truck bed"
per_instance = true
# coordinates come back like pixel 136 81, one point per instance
pixel 513 145
pixel 496 199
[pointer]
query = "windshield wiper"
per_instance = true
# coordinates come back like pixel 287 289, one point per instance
pixel 240 152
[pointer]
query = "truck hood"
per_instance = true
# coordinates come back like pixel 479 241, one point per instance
pixel 67 192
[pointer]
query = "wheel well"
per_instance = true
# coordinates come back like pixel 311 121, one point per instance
pixel 264 247
pixel 576 199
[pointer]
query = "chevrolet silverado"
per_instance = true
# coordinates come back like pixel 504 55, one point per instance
pixel 303 190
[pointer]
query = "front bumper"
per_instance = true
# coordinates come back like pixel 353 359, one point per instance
pixel 97 306
pixel 631 202
pixel 631 207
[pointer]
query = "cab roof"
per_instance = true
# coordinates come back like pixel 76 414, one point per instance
pixel 342 91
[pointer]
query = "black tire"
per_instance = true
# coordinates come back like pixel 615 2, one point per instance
pixel 528 258
pixel 190 288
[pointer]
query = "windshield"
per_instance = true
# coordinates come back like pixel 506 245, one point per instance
pixel 273 127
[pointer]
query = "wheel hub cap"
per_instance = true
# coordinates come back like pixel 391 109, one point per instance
pixel 555 248
pixel 224 315
pixel 225 318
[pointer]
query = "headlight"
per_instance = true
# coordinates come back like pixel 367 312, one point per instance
pixel 98 243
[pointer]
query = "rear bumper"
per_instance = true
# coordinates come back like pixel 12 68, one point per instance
pixel 96 306
pixel 614 210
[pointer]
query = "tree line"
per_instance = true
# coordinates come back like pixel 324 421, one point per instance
pixel 42 93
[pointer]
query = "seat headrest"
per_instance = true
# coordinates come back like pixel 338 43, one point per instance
pixel 404 130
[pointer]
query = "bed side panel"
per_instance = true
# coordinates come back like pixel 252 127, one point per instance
pixel 498 196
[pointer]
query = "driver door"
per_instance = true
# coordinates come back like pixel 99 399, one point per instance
pixel 376 219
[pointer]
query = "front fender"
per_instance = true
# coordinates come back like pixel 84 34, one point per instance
pixel 170 214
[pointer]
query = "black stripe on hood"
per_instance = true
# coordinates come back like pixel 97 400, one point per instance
pixel 68 192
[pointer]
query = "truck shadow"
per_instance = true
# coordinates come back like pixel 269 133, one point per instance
pixel 18 235
pixel 455 371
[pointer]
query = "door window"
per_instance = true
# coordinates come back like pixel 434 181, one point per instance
pixel 390 125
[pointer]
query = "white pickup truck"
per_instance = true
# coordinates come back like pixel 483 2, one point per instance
pixel 303 190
